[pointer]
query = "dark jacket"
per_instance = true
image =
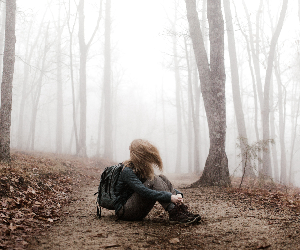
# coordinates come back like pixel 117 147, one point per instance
pixel 129 183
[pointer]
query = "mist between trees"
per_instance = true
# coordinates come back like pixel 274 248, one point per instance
pixel 91 76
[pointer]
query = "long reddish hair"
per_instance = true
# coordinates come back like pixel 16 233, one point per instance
pixel 143 158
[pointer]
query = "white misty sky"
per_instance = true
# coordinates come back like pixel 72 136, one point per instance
pixel 138 28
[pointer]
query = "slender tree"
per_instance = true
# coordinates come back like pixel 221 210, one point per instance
pixel 71 31
pixel 191 109
pixel 273 133
pixel 59 104
pixel 30 49
pixel 7 79
pixel 212 77
pixel 108 125
pixel 282 119
pixel 237 101
pixel 196 119
pixel 267 171
pixel 178 104
pixel 254 48
pixel 38 88
pixel 254 86
pixel 295 115
pixel 84 47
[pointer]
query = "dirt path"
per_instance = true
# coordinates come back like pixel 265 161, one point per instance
pixel 227 224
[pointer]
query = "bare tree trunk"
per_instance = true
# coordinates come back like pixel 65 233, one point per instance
pixel 256 64
pixel 178 109
pixel 191 110
pixel 25 82
pixel 293 136
pixel 178 106
pixel 74 133
pixel 196 121
pixel 282 118
pixel 212 77
pixel 84 47
pixel 267 171
pixel 273 134
pixel 255 54
pixel 165 130
pixel 108 125
pixel 254 90
pixel 59 107
pixel 82 79
pixel 204 23
pixel 7 79
pixel 238 107
pixel 71 30
pixel 101 116
pixel 2 37
pixel 37 94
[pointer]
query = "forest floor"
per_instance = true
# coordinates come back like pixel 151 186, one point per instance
pixel 48 202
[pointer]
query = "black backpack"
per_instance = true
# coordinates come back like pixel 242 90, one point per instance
pixel 106 189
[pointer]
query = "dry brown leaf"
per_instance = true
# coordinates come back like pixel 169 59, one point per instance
pixel 174 240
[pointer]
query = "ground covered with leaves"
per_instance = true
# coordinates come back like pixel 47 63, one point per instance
pixel 33 191
pixel 48 202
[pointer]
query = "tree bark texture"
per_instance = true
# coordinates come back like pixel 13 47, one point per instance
pixel 2 37
pixel 212 77
pixel 7 79
pixel 267 171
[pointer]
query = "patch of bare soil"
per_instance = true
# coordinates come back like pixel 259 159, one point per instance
pixel 229 222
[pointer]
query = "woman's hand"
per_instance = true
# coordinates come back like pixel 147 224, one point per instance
pixel 176 198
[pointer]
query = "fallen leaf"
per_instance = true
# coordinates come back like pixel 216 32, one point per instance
pixel 12 227
pixel 31 190
pixel 174 240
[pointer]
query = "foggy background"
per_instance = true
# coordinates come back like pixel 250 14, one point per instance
pixel 143 86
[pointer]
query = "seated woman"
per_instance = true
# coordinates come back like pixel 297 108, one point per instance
pixel 138 188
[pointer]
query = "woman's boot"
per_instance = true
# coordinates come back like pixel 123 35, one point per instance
pixel 185 210
pixel 176 215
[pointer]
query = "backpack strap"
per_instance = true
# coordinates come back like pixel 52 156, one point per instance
pixel 98 210
pixel 109 184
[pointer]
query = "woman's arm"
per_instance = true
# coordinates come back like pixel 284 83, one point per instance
pixel 134 183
